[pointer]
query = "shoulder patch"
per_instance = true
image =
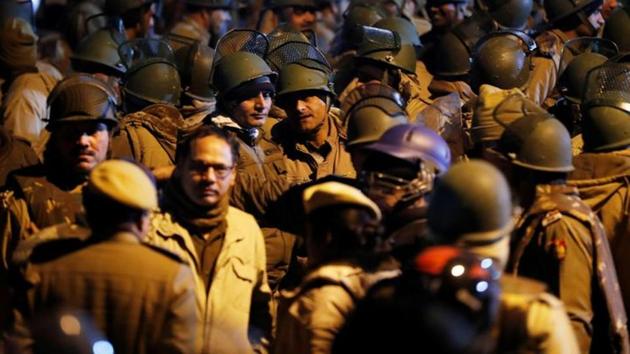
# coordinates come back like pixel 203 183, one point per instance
pixel 551 217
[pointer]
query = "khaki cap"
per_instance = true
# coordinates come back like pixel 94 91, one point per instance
pixel 125 183
pixel 337 193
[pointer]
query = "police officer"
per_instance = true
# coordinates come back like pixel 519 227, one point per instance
pixel 600 170
pixel 104 275
pixel 151 91
pixel 204 21
pixel 398 174
pixel 506 60
pixel 194 63
pixel 370 110
pixel 341 240
pixel 579 57
pixel 558 239
pixel 137 16
pixel 568 20
pixel 477 214
pixel 80 124
pixel 25 88
pixel 298 15
pixel 445 302
pixel 390 57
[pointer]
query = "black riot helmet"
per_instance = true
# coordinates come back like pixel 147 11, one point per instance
pixel 450 60
pixel 579 56
pixel 502 59
pixel 509 14
pixel 606 108
pixel 152 75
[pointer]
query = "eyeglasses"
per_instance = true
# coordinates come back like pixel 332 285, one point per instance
pixel 220 170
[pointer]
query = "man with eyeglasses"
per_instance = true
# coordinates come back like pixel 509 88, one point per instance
pixel 398 174
pixel 222 244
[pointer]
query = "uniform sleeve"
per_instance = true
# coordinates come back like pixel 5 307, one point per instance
pixel 122 146
pixel 24 109
pixel 15 225
pixel 542 79
pixel 570 243
pixel 549 326
pixel 261 317
pixel 313 320
pixel 184 319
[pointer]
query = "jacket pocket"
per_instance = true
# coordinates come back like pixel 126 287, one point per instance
pixel 241 284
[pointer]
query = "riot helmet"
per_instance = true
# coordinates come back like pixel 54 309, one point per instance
pixel 194 63
pixel 151 76
pixel 502 59
pixel 617 28
pixel 509 14
pixel 606 108
pixel 536 141
pixel 370 110
pixel 385 47
pixel 98 52
pixel 471 207
pixel 579 56
pixel 81 98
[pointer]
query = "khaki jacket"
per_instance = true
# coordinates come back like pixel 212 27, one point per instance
pixel 24 107
pixel 142 300
pixel 236 309
pixel 603 180
pixel 531 320
pixel 293 165
pixel 312 315
pixel 560 242
pixel 150 136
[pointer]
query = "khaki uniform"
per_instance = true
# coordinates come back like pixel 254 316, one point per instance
pixel 603 180
pixel 237 303
pixel 531 320
pixel 560 242
pixel 15 153
pixel 312 315
pixel 150 136
pixel 542 79
pixel 24 105
pixel 189 28
pixel 551 43
pixel 33 202
pixel 138 311
pixel 296 165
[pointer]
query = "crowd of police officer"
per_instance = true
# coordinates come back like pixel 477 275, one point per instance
pixel 314 176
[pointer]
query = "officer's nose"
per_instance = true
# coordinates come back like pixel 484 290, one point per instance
pixel 300 105
pixel 83 139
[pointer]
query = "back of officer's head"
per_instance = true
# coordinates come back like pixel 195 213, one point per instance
pixel 118 194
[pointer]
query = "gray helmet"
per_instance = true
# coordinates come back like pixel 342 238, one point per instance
pixel 304 75
pixel 16 8
pixel 385 47
pixel 194 63
pixel 371 109
pixel 606 108
pixel 81 98
pixel 235 69
pixel 510 14
pixel 98 52
pixel 502 59
pixel 414 143
pixel 405 29
pixel 211 4
pixel 470 205
pixel 617 27
pixel 451 57
pixel 289 47
pixel 152 75
pixel 558 10
pixel 536 141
